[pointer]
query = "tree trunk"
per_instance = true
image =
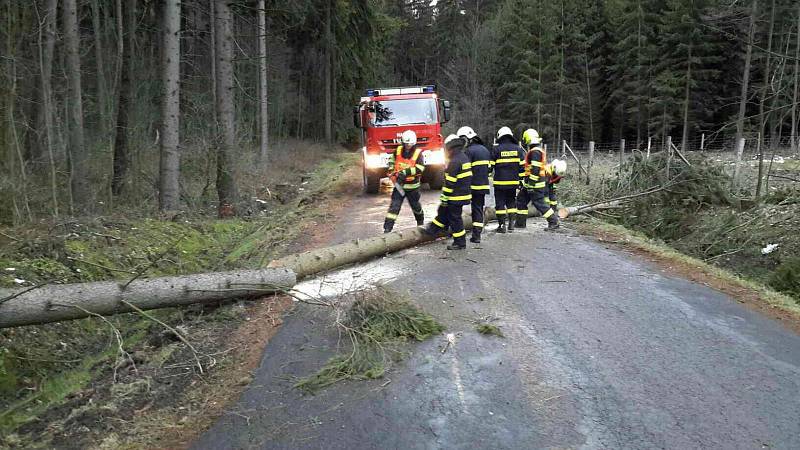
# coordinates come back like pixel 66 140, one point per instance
pixel 262 84
pixel 102 90
pixel 685 138
pixel 78 154
pixel 328 75
pixel 762 117
pixel 48 28
pixel 746 72
pixel 212 32
pixel 53 303
pixel 121 154
pixel 169 172
pixel 795 139
pixel 226 186
pixel 589 100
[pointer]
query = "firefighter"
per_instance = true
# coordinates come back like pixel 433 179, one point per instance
pixel 535 182
pixel 508 159
pixel 456 193
pixel 480 158
pixel 555 173
pixel 405 169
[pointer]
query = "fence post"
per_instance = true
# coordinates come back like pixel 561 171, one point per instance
pixel 591 161
pixel 621 156
pixel 702 142
pixel 739 151
pixel 649 141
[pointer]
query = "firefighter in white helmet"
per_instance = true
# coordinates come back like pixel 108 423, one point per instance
pixel 534 183
pixel 456 193
pixel 480 158
pixel 405 168
pixel 508 160
pixel 555 173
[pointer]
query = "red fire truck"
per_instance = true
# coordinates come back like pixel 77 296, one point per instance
pixel 383 114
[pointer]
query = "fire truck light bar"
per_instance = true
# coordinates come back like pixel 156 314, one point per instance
pixel 430 89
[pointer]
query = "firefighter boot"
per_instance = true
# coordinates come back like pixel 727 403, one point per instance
pixel 420 219
pixel 456 246
pixel 511 219
pixel 501 227
pixel 553 225
pixel 522 221
pixel 475 238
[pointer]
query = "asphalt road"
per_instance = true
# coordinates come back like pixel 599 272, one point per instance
pixel 602 350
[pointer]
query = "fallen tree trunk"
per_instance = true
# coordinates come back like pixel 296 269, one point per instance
pixel 53 303
pixel 357 250
pixel 583 209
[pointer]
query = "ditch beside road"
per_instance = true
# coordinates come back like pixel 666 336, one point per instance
pixel 602 349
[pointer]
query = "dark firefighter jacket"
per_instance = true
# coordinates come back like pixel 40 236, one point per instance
pixel 480 158
pixel 458 178
pixel 508 160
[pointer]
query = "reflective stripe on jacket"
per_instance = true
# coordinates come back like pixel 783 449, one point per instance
pixel 480 158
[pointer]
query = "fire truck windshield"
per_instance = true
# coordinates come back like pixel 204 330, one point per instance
pixel 419 111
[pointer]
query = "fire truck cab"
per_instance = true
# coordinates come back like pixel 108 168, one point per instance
pixel 384 113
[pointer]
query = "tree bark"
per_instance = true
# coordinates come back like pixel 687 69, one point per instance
pixel 169 171
pixel 262 84
pixel 48 28
pixel 328 75
pixel 102 90
pixel 55 303
pixel 226 186
pixel 685 138
pixel 121 161
pixel 746 73
pixel 78 154
pixel 795 140
pixel 762 117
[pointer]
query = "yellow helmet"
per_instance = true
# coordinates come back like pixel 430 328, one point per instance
pixel 531 137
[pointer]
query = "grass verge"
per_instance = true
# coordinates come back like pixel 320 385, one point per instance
pixel 746 291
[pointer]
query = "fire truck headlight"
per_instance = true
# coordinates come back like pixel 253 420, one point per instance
pixel 434 157
pixel 373 161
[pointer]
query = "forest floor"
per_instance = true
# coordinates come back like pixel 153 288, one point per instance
pixel 69 385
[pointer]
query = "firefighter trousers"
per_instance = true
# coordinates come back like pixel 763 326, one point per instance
pixel 537 198
pixel 477 205
pixel 449 216
pixel 397 203
pixel 505 203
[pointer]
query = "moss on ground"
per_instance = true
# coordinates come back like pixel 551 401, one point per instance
pixel 66 357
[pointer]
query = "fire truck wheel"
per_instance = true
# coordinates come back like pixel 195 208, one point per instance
pixel 372 182
pixel 435 178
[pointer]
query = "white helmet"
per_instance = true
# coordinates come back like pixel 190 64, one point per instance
pixel 409 138
pixel 452 141
pixel 559 167
pixel 466 132
pixel 505 131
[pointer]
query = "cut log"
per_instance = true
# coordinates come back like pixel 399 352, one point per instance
pixel 583 209
pixel 53 303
